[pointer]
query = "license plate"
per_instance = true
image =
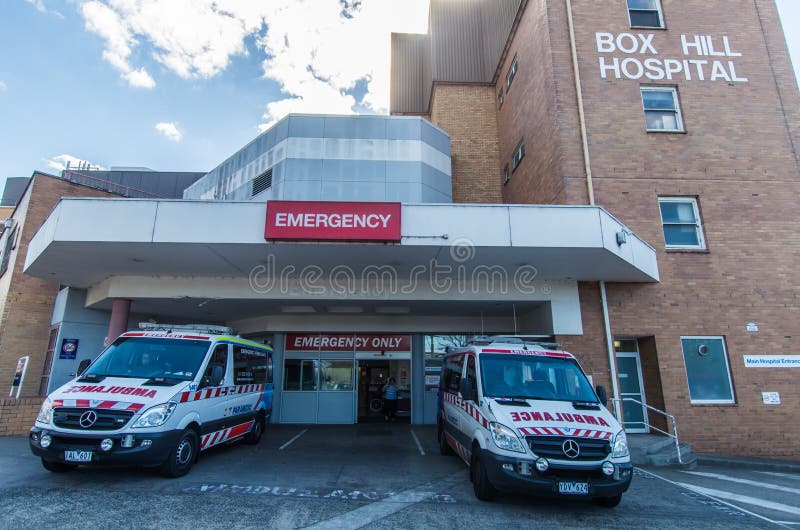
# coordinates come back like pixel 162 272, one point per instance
pixel 573 488
pixel 78 456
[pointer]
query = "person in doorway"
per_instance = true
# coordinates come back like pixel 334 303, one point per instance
pixel 390 399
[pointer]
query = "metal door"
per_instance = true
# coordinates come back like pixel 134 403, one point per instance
pixel 629 367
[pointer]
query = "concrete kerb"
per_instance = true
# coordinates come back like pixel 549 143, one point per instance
pixel 749 463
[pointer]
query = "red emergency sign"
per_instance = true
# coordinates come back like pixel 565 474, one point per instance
pixel 338 221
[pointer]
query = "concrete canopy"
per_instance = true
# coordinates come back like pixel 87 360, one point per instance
pixel 172 255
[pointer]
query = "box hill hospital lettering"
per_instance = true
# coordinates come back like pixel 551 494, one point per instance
pixel 705 58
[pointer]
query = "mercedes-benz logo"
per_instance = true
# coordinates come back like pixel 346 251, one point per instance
pixel 87 419
pixel 571 448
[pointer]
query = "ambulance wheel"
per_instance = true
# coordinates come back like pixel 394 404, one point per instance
pixel 182 457
pixel 609 502
pixel 254 436
pixel 480 479
pixel 444 447
pixel 57 467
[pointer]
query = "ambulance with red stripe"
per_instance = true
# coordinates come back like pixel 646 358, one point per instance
pixel 158 397
pixel 525 418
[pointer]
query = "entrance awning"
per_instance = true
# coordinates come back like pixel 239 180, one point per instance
pixel 456 266
pixel 86 241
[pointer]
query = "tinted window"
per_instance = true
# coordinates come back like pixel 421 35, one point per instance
pixel 300 375
pixel 217 366
pixel 452 373
pixel 250 366
pixel 707 369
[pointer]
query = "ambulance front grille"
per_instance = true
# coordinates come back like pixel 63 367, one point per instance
pixel 552 447
pixel 107 420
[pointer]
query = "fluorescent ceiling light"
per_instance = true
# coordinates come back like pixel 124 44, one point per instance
pixel 298 309
pixel 393 310
pixel 345 309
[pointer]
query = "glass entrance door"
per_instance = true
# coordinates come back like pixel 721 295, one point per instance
pixel 629 367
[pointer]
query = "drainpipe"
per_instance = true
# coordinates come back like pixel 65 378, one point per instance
pixel 612 356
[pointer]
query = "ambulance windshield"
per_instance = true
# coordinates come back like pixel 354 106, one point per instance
pixel 534 377
pixel 149 358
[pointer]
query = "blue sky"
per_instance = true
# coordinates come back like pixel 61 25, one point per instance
pixel 182 84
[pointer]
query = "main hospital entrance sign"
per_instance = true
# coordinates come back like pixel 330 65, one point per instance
pixel 705 58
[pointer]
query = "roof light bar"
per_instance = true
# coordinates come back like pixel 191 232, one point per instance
pixel 199 328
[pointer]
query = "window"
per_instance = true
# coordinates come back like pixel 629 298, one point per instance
pixel 300 375
pixel 680 217
pixel 217 366
pixel 251 366
pixel 512 71
pixel 707 370
pixel 262 182
pixel 336 375
pixel 506 175
pixel 519 153
pixel 472 373
pixel 452 374
pixel 48 361
pixel 645 13
pixel 501 97
pixel 7 248
pixel 661 109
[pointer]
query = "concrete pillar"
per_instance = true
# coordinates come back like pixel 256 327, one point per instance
pixel 118 323
pixel 418 379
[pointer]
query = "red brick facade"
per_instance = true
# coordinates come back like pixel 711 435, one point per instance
pixel 738 156
pixel 27 305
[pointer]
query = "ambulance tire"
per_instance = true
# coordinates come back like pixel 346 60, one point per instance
pixel 480 479
pixel 609 502
pixel 254 436
pixel 57 467
pixel 183 456
pixel 444 447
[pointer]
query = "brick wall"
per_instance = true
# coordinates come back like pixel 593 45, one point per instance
pixel 467 113
pixel 28 308
pixel 18 415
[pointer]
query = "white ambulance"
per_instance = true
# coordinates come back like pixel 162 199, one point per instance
pixel 158 397
pixel 525 418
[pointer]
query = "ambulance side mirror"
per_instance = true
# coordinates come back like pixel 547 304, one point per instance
pixel 82 366
pixel 601 394
pixel 467 389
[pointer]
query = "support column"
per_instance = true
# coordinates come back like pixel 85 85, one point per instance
pixel 118 323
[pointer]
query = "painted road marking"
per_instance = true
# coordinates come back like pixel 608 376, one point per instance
pixel 311 493
pixel 719 494
pixel 287 444
pixel 782 475
pixel 419 445
pixel 678 484
pixel 373 511
pixel 766 485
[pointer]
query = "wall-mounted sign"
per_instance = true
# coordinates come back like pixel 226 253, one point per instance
pixel 69 349
pixel 636 56
pixel 771 398
pixel 19 377
pixel 337 221
pixel 751 327
pixel 772 361
pixel 348 342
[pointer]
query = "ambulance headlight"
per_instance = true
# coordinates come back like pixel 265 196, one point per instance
pixel 46 412
pixel 45 441
pixel 504 438
pixel 155 416
pixel 620 447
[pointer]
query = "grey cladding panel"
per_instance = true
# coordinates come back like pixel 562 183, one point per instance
pixel 410 87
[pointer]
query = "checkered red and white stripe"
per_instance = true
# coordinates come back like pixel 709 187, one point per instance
pixel 463 453
pixel 97 404
pixel 210 393
pixel 468 407
pixel 217 437
pixel 556 431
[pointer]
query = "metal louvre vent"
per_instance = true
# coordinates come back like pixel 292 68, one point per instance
pixel 262 182
pixel 551 447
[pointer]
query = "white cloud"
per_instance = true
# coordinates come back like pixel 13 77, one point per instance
pixel 313 49
pixel 170 131
pixel 59 163
pixel 40 7
pixel 3 85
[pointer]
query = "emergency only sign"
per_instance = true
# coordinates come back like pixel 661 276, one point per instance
pixel 635 56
